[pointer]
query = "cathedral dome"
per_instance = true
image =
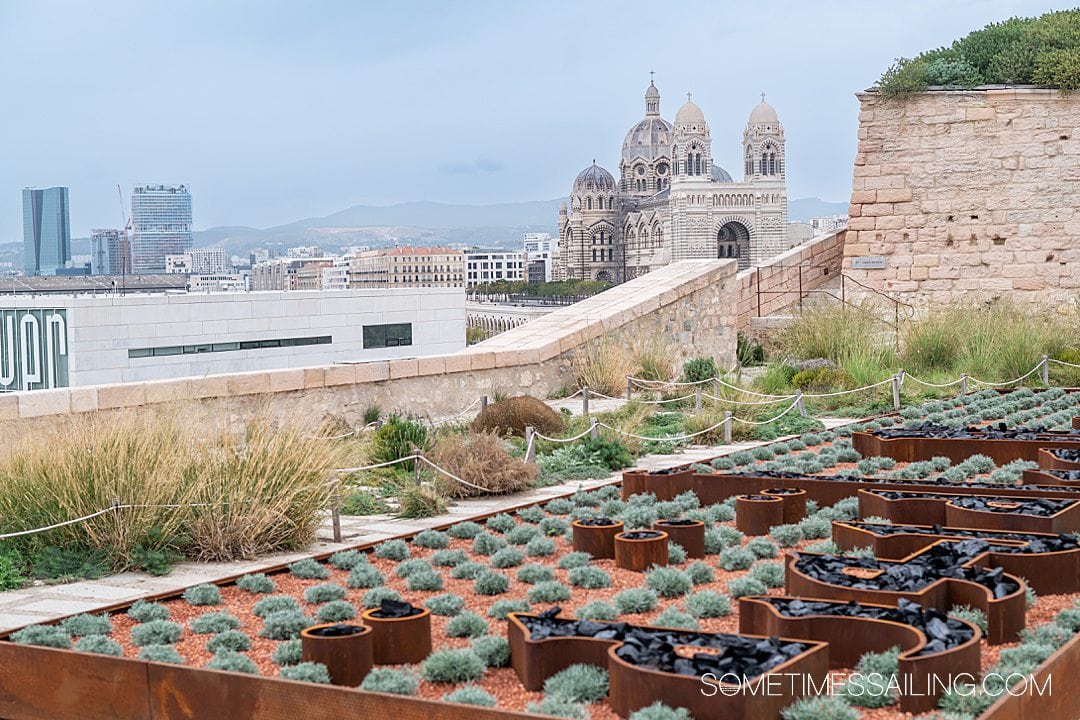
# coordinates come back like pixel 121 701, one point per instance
pixel 690 114
pixel 763 114
pixel 649 139
pixel 593 178
pixel 719 174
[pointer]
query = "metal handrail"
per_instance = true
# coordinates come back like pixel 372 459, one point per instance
pixel 842 298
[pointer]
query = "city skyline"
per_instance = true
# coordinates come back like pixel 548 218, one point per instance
pixel 278 113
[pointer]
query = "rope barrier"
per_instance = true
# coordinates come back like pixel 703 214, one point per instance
pixel 99 513
pixel 84 518
pixel 679 438
pixel 726 384
pixel 452 476
pixel 583 433
pixel 1062 362
pixel 645 384
pixel 349 471
pixel 886 381
pixel 594 393
pixel 748 402
pixel 1007 382
pixel 909 376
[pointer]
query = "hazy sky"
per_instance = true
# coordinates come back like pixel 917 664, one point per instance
pixel 273 111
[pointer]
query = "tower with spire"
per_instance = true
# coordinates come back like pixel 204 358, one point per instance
pixel 671 202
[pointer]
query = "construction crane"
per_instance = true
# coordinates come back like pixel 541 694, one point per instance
pixel 127 241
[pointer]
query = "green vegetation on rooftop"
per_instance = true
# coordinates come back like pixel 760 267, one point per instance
pixel 1042 51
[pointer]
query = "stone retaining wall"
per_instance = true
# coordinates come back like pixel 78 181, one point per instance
pixel 783 280
pixel 968 194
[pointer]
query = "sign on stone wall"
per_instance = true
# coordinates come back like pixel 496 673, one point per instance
pixel 868 262
pixel 33 349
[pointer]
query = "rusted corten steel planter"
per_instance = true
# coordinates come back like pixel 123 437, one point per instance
pixel 1048 573
pixel 1076 422
pixel 715 488
pixel 690 534
pixel 938 509
pixel 1049 461
pixel 755 514
pixel 1058 701
pixel 633 687
pixel 664 484
pixel 641 554
pixel 597 540
pixel 849 637
pixel 349 658
pixel 794 502
pixel 399 641
pixel 1047 477
pixel 1004 616
pixel 912 449
pixel 39 683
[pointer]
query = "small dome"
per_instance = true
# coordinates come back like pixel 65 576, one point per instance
pixel 719 174
pixel 690 114
pixel 652 92
pixel 594 178
pixel 763 114
pixel 649 139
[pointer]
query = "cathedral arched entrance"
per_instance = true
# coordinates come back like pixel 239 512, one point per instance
pixel 733 241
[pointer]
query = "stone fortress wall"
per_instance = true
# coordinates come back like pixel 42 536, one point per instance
pixel 696 306
pixel 967 194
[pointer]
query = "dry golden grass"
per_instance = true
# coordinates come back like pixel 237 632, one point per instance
pixel 261 488
pixel 511 416
pixel 655 358
pixel 480 459
pixel 602 365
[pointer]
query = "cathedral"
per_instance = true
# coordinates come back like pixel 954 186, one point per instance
pixel 671 202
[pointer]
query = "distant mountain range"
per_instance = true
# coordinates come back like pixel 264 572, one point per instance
pixel 413 223
pixel 428 223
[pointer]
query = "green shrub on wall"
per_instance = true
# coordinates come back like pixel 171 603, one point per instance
pixel 1020 51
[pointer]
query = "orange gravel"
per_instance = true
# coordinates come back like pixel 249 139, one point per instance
pixel 502 683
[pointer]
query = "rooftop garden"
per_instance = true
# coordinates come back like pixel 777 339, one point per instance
pixel 470 575
pixel 1042 51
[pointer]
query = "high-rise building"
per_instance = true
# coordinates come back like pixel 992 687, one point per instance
pixel 110 253
pixel 161 222
pixel 46 230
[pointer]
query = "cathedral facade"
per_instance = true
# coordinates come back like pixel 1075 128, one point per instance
pixel 671 202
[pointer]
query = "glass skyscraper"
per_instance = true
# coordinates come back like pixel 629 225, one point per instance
pixel 161 225
pixel 46 230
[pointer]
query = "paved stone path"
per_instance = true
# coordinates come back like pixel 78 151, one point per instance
pixel 44 603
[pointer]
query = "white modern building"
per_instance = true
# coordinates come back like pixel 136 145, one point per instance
pixel 540 250
pixel 336 277
pixel 305 251
pixel 828 223
pixel 75 341
pixel 219 282
pixel 483 266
